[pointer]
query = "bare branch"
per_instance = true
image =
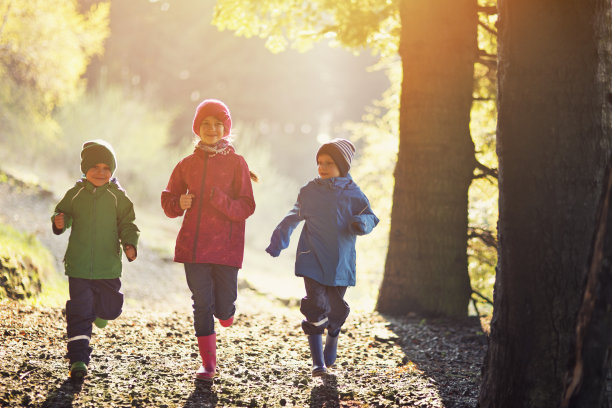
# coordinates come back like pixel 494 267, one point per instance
pixel 486 236
pixel 483 54
pixel 490 10
pixel 486 171
pixel 475 306
pixel 486 27
pixel 480 295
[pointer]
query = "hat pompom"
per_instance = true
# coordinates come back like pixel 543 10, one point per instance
pixel 212 107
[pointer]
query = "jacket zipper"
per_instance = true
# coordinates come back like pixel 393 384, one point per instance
pixel 93 216
pixel 200 203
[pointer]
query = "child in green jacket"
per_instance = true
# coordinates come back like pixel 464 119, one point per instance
pixel 102 219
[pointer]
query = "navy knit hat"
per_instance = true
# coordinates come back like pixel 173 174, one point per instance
pixel 97 151
pixel 212 107
pixel 341 151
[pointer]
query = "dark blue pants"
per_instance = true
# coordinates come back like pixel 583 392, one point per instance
pixel 89 298
pixel 214 289
pixel 324 307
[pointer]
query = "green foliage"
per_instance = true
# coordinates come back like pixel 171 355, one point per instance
pixel 23 262
pixel 45 47
pixel 355 24
pixel 485 69
pixel 483 193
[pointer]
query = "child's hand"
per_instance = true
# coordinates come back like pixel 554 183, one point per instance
pixel 272 251
pixel 58 220
pixel 357 228
pixel 185 201
pixel 130 252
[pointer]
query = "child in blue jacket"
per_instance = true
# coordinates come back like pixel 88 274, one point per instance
pixel 335 211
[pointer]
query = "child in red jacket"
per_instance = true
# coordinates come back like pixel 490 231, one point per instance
pixel 212 189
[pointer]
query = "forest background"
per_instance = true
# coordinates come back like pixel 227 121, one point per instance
pixel 132 73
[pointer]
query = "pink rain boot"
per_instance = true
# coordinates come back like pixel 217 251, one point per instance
pixel 208 352
pixel 227 322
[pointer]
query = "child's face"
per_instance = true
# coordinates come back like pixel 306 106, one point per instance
pixel 211 130
pixel 327 166
pixel 99 175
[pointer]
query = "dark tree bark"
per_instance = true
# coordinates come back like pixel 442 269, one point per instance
pixel 587 376
pixel 553 139
pixel 426 267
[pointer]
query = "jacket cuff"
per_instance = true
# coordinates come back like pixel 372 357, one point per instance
pixel 56 230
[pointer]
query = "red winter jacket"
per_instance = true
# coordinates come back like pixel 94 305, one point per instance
pixel 213 228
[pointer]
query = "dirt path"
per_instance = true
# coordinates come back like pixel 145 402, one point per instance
pixel 146 360
pixel 147 356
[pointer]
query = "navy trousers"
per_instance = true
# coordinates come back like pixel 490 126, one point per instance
pixel 324 307
pixel 89 298
pixel 214 289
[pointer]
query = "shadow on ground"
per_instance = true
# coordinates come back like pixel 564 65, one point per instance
pixel 448 352
pixel 64 395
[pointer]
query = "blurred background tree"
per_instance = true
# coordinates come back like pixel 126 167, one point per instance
pixel 45 48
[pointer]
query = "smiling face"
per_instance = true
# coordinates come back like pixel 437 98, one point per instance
pixel 99 175
pixel 211 130
pixel 327 166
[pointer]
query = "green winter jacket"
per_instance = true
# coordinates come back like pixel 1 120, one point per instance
pixel 102 219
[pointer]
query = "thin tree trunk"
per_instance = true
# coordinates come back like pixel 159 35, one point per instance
pixel 553 140
pixel 426 267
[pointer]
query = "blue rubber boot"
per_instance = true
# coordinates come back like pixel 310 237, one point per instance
pixel 331 348
pixel 315 341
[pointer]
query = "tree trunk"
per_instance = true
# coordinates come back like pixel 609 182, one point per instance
pixel 426 267
pixel 553 140
pixel 587 376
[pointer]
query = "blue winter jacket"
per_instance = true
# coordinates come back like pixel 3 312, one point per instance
pixel 335 211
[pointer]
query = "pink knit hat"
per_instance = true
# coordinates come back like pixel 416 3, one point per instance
pixel 212 107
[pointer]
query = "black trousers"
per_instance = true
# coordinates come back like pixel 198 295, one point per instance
pixel 89 298
pixel 214 290
pixel 324 307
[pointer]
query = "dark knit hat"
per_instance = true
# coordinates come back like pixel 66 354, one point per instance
pixel 97 151
pixel 341 151
pixel 212 107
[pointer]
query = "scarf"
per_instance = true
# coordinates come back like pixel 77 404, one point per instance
pixel 221 147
